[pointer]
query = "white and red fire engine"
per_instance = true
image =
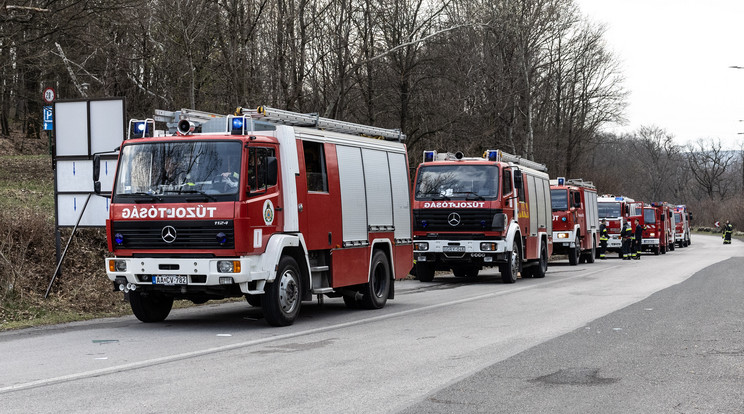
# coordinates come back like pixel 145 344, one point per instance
pixel 682 219
pixel 471 213
pixel 575 219
pixel 617 210
pixel 273 205
pixel 658 233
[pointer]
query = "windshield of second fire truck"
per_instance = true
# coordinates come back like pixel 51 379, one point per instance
pixel 649 215
pixel 609 210
pixel 180 168
pixel 559 200
pixel 439 182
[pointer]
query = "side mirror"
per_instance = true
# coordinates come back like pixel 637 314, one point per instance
pixel 272 170
pixel 96 167
pixel 518 179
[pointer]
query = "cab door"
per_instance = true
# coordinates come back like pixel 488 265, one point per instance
pixel 263 203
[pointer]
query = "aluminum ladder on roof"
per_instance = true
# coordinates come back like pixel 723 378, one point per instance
pixel 279 116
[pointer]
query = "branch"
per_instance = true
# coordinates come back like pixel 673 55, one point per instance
pixel 70 71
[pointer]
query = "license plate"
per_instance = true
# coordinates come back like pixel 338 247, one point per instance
pixel 170 280
pixel 649 242
pixel 456 249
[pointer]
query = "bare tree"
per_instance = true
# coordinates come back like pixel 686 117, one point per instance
pixel 708 164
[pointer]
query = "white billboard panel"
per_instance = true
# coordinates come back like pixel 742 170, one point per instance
pixel 106 125
pixel 71 128
pixel 70 207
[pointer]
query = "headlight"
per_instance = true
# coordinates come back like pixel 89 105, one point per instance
pixel 117 265
pixel 652 234
pixel 421 246
pixel 228 266
pixel 488 247
pixel 562 235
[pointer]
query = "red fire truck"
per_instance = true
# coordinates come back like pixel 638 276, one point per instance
pixel 617 210
pixel 658 233
pixel 471 213
pixel 682 219
pixel 575 219
pixel 272 205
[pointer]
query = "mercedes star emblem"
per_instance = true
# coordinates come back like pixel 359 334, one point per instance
pixel 168 234
pixel 453 219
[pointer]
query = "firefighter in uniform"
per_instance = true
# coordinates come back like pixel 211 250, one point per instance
pixel 638 237
pixel 728 229
pixel 625 234
pixel 603 239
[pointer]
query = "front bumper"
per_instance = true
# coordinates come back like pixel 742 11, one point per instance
pixel 198 272
pixel 461 251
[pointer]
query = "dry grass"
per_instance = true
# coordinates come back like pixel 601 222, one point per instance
pixel 27 249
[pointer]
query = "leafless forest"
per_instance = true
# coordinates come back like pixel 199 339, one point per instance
pixel 530 77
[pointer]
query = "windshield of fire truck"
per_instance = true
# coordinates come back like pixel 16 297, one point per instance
pixel 649 215
pixel 438 182
pixel 559 200
pixel 179 169
pixel 677 217
pixel 609 210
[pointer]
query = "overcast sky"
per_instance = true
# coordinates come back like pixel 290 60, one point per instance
pixel 675 56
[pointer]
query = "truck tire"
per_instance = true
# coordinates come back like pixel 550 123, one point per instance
pixel 512 267
pixel 150 306
pixel 593 253
pixel 575 253
pixel 657 250
pixel 541 268
pixel 671 247
pixel 424 271
pixel 283 297
pixel 375 292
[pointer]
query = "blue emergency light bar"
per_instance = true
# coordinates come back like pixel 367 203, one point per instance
pixel 492 155
pixel 429 156
pixel 561 180
pixel 239 125
pixel 144 128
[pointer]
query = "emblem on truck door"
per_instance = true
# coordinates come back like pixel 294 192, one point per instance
pixel 453 219
pixel 168 234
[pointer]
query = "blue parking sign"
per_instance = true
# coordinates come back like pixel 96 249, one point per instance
pixel 48 118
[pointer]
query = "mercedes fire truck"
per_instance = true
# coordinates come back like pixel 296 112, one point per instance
pixel 476 212
pixel 272 205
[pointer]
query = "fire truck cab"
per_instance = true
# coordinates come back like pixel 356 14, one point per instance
pixel 616 211
pixel 471 213
pixel 272 205
pixel 575 219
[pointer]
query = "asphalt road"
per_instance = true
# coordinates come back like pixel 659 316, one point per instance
pixel 661 334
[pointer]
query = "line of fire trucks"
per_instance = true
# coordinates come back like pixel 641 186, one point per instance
pixel 501 210
pixel 282 207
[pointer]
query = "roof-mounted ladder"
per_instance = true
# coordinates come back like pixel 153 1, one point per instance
pixel 521 161
pixel 282 117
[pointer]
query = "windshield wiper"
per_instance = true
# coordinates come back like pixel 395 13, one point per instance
pixel 150 197
pixel 469 193
pixel 199 192
pixel 439 196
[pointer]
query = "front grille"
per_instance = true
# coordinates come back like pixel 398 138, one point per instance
pixel 439 220
pixel 200 234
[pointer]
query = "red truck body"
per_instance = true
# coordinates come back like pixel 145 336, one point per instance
pixel 616 211
pixel 575 219
pixel 471 213
pixel 268 210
